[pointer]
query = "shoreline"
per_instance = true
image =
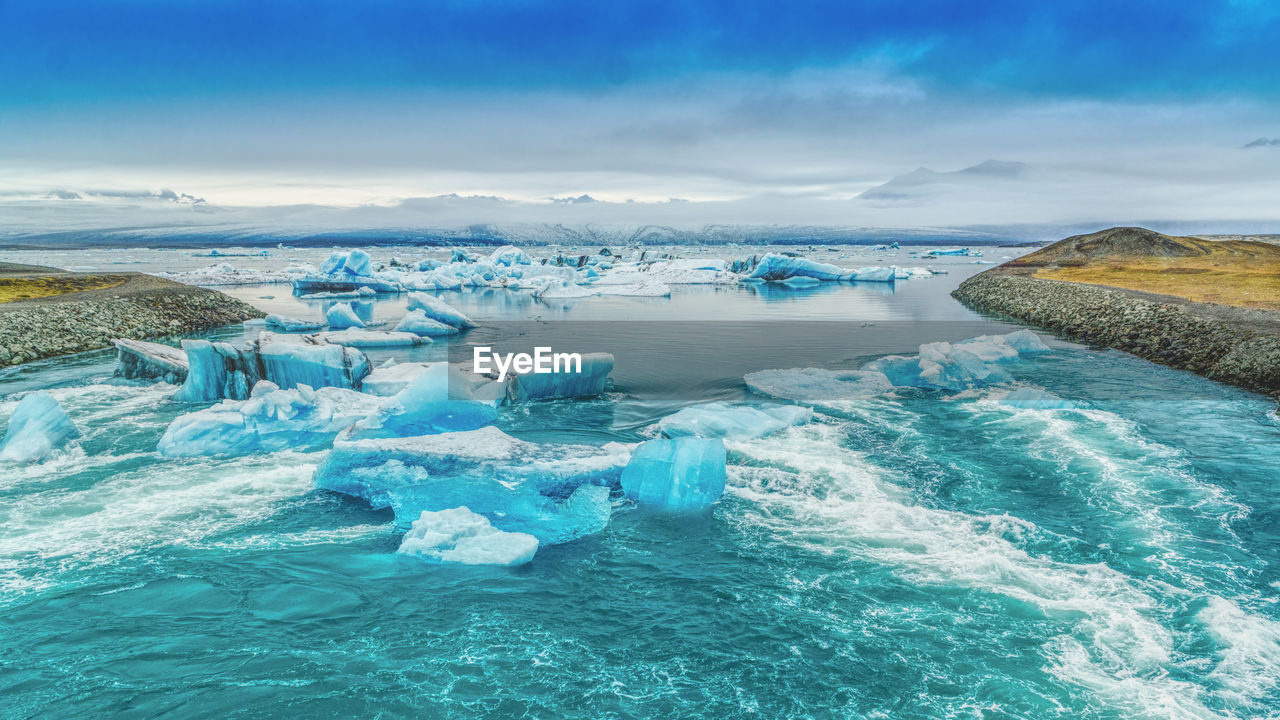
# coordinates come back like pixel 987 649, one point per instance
pixel 138 306
pixel 1232 345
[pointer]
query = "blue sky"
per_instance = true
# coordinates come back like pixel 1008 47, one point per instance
pixel 372 102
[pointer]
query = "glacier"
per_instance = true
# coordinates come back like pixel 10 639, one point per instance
pixel 457 535
pixel 38 427
pixel 685 473
pixel 739 422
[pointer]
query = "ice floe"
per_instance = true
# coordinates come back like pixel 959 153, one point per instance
pixel 38 427
pixel 685 473
pixel 742 422
pixel 342 316
pixel 439 310
pixel 458 535
pixel 142 360
pixel 221 370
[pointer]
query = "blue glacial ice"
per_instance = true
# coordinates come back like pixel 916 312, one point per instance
pixel 781 267
pixel 739 422
pixel 817 386
pixel 293 325
pixel 439 310
pixel 432 402
pixel 417 322
pixel 391 378
pixel 271 419
pixel 359 338
pixel 345 272
pixel 141 360
pixel 538 488
pixel 219 370
pixel 37 428
pixel 684 473
pixel 508 256
pixel 457 535
pixel 341 316
pixel 590 380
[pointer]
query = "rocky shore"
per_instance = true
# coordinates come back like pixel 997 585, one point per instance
pixel 140 306
pixel 1239 346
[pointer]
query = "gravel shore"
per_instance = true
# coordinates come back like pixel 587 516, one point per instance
pixel 142 306
pixel 1233 345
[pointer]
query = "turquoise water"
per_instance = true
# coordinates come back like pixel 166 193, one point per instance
pixel 916 555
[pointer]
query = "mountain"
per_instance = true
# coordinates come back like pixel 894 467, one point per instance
pixel 921 183
pixel 1129 243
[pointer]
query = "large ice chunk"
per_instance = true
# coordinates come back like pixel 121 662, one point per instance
pixel 271 419
pixel 589 379
pixel 458 535
pixel 439 310
pixel 463 385
pixel 817 386
pixel 539 488
pixel 141 360
pixel 222 370
pixel 426 405
pixel 37 428
pixel 508 256
pixel 417 322
pixel 712 420
pixel 342 316
pixel 685 473
pixel 873 274
pixel 781 267
pixel 295 325
pixel 358 338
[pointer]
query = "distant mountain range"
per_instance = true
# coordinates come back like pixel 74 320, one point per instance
pixel 922 183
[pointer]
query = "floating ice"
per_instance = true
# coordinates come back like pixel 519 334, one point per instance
pixel 524 486
pixel 439 310
pixel 462 385
pixel 458 535
pixel 141 360
pixel 342 316
pixel 271 419
pixel 346 272
pixel 873 274
pixel 782 267
pixel 591 380
pixel 683 473
pixel 417 322
pixel 720 420
pixel 358 338
pixel 288 324
pixel 37 428
pixel 430 403
pixel 222 370
pixel 509 255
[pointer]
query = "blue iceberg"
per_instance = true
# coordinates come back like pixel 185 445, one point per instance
pixel 293 325
pixel 271 419
pixel 817 386
pixel 426 406
pixel 358 338
pixel 219 370
pixel 590 379
pixel 141 360
pixel 417 322
pixel 37 428
pixel 346 272
pixel 683 473
pixel 781 267
pixel 741 422
pixel 439 310
pixel 520 486
pixel 458 535
pixel 341 316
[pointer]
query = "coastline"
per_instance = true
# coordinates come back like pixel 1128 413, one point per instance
pixel 134 306
pixel 1232 345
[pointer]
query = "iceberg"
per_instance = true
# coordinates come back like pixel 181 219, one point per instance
pixel 346 272
pixel 685 473
pixel 460 255
pixel 521 486
pixel 37 428
pixel 271 419
pixel 439 310
pixel 357 338
pixel 342 316
pixel 428 404
pixel 417 322
pixel 463 385
pixel 781 267
pixel 221 370
pixel 740 422
pixel 873 274
pixel 458 535
pixel 957 366
pixel 591 380
pixel 293 325
pixel 141 360
pixel 508 256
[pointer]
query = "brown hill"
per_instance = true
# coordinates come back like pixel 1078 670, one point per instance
pixel 1121 244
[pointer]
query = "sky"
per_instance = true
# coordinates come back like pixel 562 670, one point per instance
pixel 351 114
